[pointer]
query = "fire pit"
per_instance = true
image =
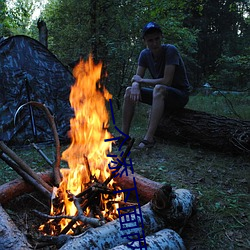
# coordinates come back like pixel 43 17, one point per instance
pixel 90 197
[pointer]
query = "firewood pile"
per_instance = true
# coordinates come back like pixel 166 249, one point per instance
pixel 162 217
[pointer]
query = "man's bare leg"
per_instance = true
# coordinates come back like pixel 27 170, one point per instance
pixel 156 113
pixel 128 110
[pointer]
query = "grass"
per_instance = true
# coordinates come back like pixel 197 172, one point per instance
pixel 219 180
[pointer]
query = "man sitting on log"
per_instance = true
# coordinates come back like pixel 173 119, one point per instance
pixel 168 89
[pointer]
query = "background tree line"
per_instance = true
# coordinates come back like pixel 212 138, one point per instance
pixel 212 35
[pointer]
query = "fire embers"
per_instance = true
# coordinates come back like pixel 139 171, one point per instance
pixel 95 206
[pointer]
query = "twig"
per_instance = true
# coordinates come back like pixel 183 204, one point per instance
pixel 24 166
pixel 79 215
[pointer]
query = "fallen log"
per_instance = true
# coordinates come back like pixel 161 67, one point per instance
pixel 212 131
pixel 161 240
pixel 155 216
pixel 10 237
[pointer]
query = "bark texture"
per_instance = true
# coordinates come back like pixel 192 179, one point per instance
pixel 15 188
pixel 18 187
pixel 43 32
pixel 212 131
pixel 155 217
pixel 162 240
pixel 10 237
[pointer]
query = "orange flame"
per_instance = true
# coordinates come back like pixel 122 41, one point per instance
pixel 88 131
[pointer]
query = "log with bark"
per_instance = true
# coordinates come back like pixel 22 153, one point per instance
pixel 147 189
pixel 212 131
pixel 10 237
pixel 167 209
pixel 161 240
pixel 18 187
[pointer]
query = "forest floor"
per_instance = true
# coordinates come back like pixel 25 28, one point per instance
pixel 219 180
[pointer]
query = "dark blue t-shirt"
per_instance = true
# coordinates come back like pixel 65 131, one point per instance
pixel 171 56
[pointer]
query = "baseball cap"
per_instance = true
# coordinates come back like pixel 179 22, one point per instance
pixel 150 26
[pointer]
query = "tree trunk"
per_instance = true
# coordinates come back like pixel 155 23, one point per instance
pixel 212 131
pixel 162 240
pixel 10 237
pixel 167 209
pixel 43 32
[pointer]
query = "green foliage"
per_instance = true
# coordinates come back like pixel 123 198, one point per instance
pixel 4 19
pixel 212 36
pixel 233 72
pixel 20 16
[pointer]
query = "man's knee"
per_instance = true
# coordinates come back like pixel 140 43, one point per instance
pixel 127 92
pixel 159 91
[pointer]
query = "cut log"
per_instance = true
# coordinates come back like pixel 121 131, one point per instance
pixel 155 216
pixel 212 131
pixel 10 237
pixel 162 240
pixel 18 187
pixel 146 187
pixel 15 188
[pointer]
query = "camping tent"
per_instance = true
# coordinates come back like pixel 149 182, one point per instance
pixel 30 72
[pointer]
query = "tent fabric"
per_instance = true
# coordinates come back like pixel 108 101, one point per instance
pixel 30 72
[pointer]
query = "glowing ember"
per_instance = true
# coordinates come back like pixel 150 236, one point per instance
pixel 87 155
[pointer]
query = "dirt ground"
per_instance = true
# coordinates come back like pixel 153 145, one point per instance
pixel 219 180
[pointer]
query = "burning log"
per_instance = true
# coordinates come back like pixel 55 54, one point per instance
pixel 10 237
pixel 216 132
pixel 163 239
pixel 167 209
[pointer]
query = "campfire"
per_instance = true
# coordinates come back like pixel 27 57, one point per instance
pixel 89 206
pixel 84 191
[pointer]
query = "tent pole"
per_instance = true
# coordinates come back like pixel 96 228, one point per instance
pixel 33 125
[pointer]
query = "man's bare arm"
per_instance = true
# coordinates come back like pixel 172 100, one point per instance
pixel 166 80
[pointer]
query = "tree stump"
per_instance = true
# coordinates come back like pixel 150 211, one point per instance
pixel 214 132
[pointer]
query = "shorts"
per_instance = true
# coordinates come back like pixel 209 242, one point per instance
pixel 174 100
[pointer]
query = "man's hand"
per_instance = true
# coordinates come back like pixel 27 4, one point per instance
pixel 135 93
pixel 136 78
